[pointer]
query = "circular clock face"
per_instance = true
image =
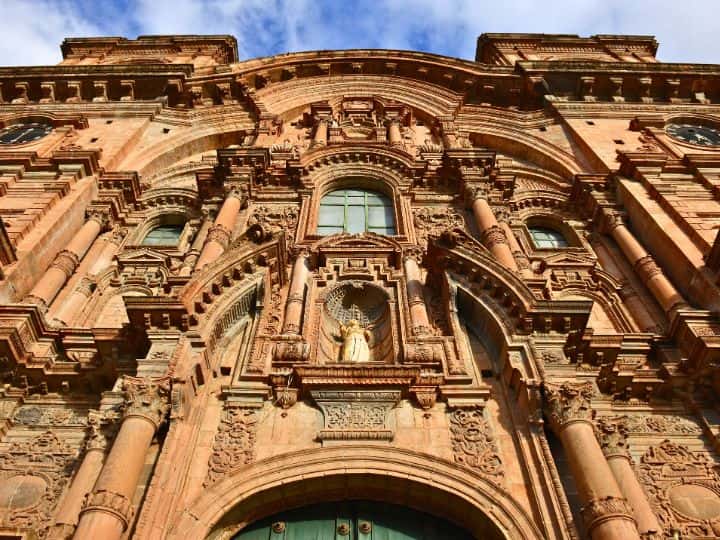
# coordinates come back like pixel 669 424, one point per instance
pixel 691 133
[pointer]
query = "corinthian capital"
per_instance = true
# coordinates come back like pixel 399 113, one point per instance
pixel 146 398
pixel 612 435
pixel 568 402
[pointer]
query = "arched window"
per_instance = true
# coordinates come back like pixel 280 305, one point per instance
pixel 164 235
pixel 544 237
pixel 356 211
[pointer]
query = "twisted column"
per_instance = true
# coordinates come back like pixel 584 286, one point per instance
pixel 643 264
pixel 296 294
pixel 605 511
pixel 66 262
pixel 612 435
pixel 218 237
pixel 66 517
pixel 491 234
pixel 108 511
pixel 416 299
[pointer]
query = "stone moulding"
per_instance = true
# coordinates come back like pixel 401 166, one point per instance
pixel 356 414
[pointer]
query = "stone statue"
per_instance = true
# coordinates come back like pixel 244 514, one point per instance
pixel 355 342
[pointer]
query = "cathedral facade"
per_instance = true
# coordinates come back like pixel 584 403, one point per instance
pixel 360 294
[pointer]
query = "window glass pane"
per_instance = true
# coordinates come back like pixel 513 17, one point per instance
pixel 547 238
pixel 349 209
pixel 380 216
pixel 325 231
pixel 331 215
pixel 165 235
pixel 377 199
pixel 355 219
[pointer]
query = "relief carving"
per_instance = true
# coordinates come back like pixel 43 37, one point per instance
pixel 432 221
pixel 34 415
pixel 33 475
pixel 267 221
pixel 473 443
pixel 234 443
pixel 356 415
pixel 684 489
pixel 612 435
pixel 599 510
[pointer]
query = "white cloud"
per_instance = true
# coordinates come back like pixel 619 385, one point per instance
pixel 31 30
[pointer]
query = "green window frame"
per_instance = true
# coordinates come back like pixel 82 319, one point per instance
pixel 546 238
pixel 356 211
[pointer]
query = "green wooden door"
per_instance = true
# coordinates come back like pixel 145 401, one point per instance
pixel 352 520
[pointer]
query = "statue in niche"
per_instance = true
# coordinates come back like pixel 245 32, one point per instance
pixel 355 347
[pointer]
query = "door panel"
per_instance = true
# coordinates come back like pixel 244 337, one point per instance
pixel 352 520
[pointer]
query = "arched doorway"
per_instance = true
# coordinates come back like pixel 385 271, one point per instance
pixel 353 520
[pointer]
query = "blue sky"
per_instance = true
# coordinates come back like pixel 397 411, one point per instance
pixel 31 30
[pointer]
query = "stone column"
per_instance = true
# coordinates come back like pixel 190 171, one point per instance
pixel 416 299
pixel 612 435
pixel 66 517
pixel 193 254
pixel 108 509
pixel 605 511
pixel 491 233
pixel 66 262
pixel 218 238
pixel 321 132
pixel 644 265
pixel 296 294
pixel 74 302
pixel 521 260
pixel 394 134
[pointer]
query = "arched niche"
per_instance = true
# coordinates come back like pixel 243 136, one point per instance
pixel 385 474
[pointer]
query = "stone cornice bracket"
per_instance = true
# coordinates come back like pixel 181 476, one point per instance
pixel 147 398
pixel 612 435
pixel 567 403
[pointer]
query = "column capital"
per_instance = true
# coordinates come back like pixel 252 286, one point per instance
pixel 299 252
pixel 101 218
pixel 610 220
pixel 414 253
pixel 147 398
pixel 96 439
pixel 612 436
pixel 237 191
pixel 474 192
pixel 117 235
pixel 567 403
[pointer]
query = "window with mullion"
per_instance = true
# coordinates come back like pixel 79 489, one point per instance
pixel 355 211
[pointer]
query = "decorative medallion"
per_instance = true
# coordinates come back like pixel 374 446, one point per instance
pixel 694 134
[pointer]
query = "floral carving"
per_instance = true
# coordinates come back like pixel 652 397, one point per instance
pixel 568 402
pixel 267 221
pixel 220 234
pixel 234 443
pixel 34 415
pixel 493 236
pixel 473 442
pixel 108 501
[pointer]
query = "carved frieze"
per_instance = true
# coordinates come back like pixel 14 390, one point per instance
pixel 234 444
pixel 473 443
pixel 35 415
pixel 267 221
pixel 684 488
pixel 356 414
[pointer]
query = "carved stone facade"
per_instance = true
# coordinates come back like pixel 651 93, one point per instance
pixel 487 289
